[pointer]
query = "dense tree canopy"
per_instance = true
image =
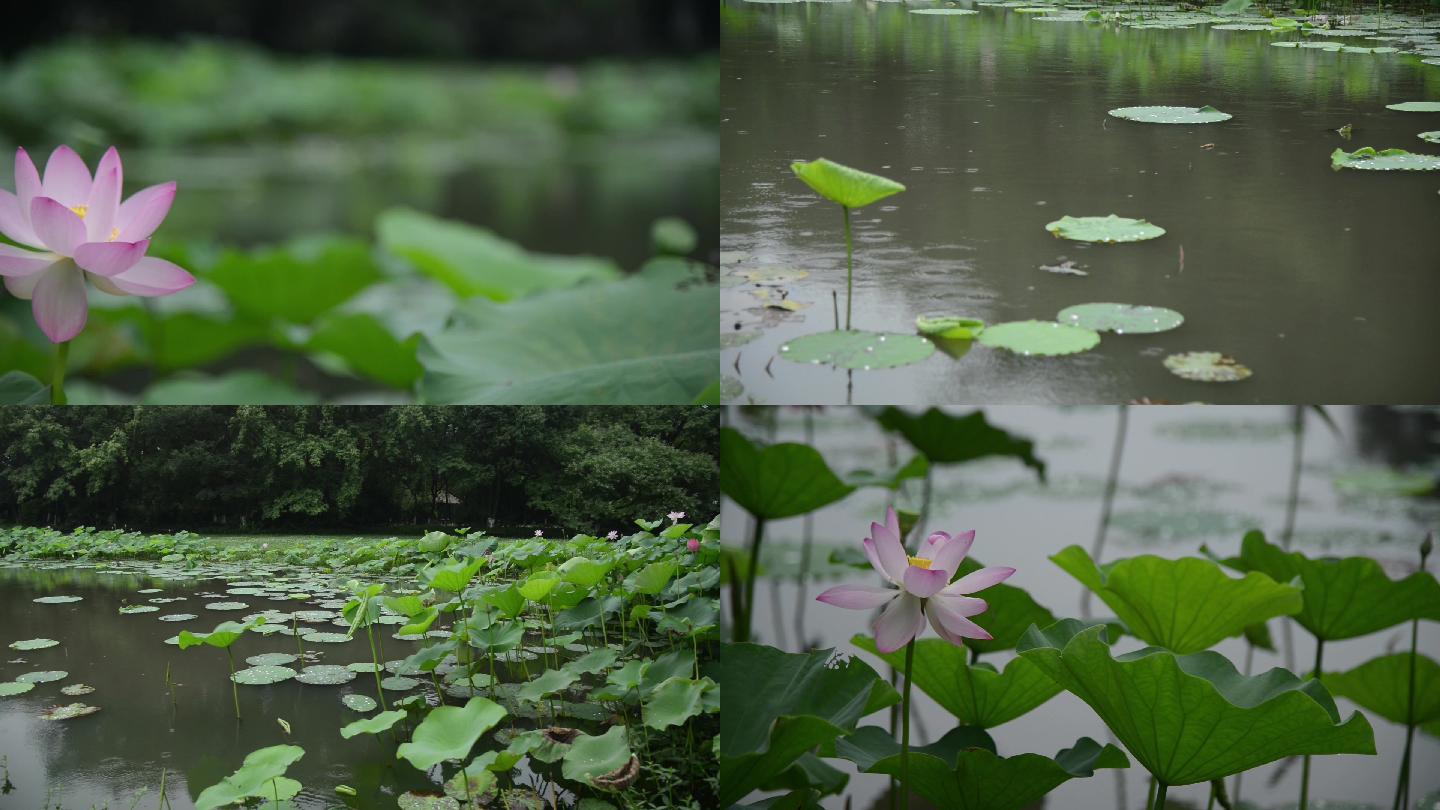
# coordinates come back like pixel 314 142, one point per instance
pixel 506 470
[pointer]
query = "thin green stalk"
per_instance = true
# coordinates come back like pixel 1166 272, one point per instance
pixel 1305 767
pixel 57 374
pixel 375 659
pixel 849 266
pixel 803 576
pixel 1108 503
pixel 295 630
pixel 1402 785
pixel 164 801
pixel 1160 788
pixel 234 690
pixel 742 630
pixel 1150 794
pixel 905 725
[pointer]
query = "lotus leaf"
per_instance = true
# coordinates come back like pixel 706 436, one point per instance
pixel 325 675
pixel 57 600
pixel 1109 229
pixel 481 787
pixel 274 659
pixel 448 732
pixel 950 12
pixel 33 644
pixel 539 585
pixel 674 701
pixel 177 617
pixel 227 606
pixel 224 634
pixel 398 683
pixel 77 689
pixel 414 800
pixel 44 676
pixel 861 351
pixel 780 705
pixel 590 757
pixel 583 571
pixel 1184 605
pixel 325 638
pixel 255 778
pixel 1383 160
pixel 139 609
pixel 851 188
pixel 1194 718
pixel 1382 685
pixel 1206 367
pixel 1415 106
pixel 1121 318
pixel 947 439
pixel 358 703
pixel 12 688
pixel 264 675
pixel 69 712
pixel 373 725
pixel 593 662
pixel 1039 338
pixel 1432 136
pixel 950 327
pixel 778 480
pixel 1171 115
pixel 553 680
pixel 1334 586
pixel 955 773
pixel 651 579
pixel 976 694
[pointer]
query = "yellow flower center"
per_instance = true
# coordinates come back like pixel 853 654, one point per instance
pixel 114 234
pixel 81 210
pixel 920 562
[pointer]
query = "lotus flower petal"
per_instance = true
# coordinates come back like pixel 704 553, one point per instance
pixel 27 181
pixel 23 287
pixel 67 180
pixel 110 258
pixel 59 302
pixel 900 622
pixel 948 617
pixel 14 223
pixel 59 228
pixel 858 597
pixel 104 204
pixel 151 278
pixel 979 580
pixel 19 263
pixel 925 582
pixel 141 214
pixel 949 555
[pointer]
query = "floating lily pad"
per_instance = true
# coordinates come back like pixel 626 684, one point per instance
pixel 325 675
pixel 325 638
pixel 227 606
pixel 1206 367
pixel 1121 318
pixel 314 615
pixel 150 590
pixel 1039 338
pixel 1383 160
pixel 33 644
pixel 949 12
pixel 949 326
pixel 57 600
pixel 177 617
pixel 1171 115
pixel 264 675
pixel 398 683
pixel 12 688
pixel 773 276
pixel 858 350
pixel 69 712
pixel 45 676
pixel 364 667
pixel 1432 136
pixel 274 659
pixel 77 689
pixel 139 609
pixel 1109 229
pixel 359 703
pixel 1415 106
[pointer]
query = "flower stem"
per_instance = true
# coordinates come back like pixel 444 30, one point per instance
pixel 234 691
pixel 747 613
pixel 1160 788
pixel 57 374
pixel 905 726
pixel 1305 768
pixel 849 266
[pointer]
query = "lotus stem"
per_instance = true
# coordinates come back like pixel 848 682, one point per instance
pixel 164 802
pixel 809 537
pixel 1160 788
pixel 1305 767
pixel 57 374
pixel 234 690
pixel 1402 785
pixel 849 266
pixel 905 725
pixel 742 630
pixel 1111 482
pixel 375 659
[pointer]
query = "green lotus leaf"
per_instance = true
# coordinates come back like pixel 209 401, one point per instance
pixel 773 276
pixel 1344 598
pixel 453 577
pixel 1206 367
pixel 263 675
pixel 1383 160
pixel 69 712
pixel 177 617
pixel 861 351
pixel 298 282
pixel 584 571
pixel 780 705
pixel 274 659
pixel 1194 718
pixel 851 188
pixel 976 694
pixel 373 725
pixel 448 732
pixel 1433 136
pixel 482 784
pixel 43 676
pixel 539 585
pixel 591 756
pixel 1415 106
pixel 498 638
pixel 947 439
pixel 358 703
pixel 972 777
pixel 1183 605
pixel 1012 610
pixel 77 689
pixel 652 579
pixel 674 701
pixel 19 388
pixel 368 348
pixel 949 12
pixel 12 688
pixel 553 680
pixel 326 638
pixel 254 778
pixel 128 609
pixel 325 675
pixel 778 480
pixel 1382 685
pixel 1039 338
pixel 1171 115
pixel 33 644
pixel 630 342
pixel 57 600
pixel 233 388
pixel 594 662
pixel 950 327
pixel 1122 319
pixel 227 606
pixel 1383 482
pixel 1109 229
pixel 398 683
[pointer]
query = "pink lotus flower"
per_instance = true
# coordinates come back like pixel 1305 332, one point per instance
pixel 80 229
pixel 676 517
pixel 693 545
pixel 539 533
pixel 923 588
pixel 613 535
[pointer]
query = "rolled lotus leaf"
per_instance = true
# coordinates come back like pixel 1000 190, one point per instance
pixel 1194 718
pixel 851 188
pixel 952 327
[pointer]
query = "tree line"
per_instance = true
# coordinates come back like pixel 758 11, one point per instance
pixel 507 470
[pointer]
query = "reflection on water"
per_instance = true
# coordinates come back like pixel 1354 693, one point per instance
pixel 997 124
pixel 1189 476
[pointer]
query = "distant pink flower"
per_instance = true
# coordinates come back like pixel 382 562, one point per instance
pixel 693 545
pixel 923 587
pixel 613 535
pixel 676 517
pixel 539 533
pixel 80 229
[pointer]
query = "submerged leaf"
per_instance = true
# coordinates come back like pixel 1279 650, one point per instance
pixel 851 188
pixel 861 351
pixel 1206 367
pixel 1039 338
pixel 1194 718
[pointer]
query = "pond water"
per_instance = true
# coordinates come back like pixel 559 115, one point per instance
pixel 115 757
pixel 1189 476
pixel 997 124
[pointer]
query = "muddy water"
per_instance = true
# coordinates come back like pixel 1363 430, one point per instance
pixel 1188 476
pixel 1320 281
